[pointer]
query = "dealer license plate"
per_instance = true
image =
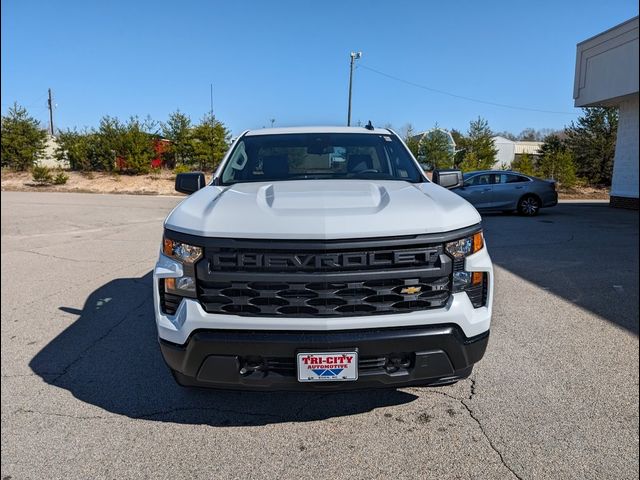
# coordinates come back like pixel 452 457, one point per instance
pixel 327 366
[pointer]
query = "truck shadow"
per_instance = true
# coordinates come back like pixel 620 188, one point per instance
pixel 586 253
pixel 109 357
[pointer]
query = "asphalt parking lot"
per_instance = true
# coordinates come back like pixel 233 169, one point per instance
pixel 85 393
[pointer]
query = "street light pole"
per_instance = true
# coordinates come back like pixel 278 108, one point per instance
pixel 354 57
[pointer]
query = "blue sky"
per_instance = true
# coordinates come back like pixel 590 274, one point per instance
pixel 289 60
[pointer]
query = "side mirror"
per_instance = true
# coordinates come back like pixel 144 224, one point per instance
pixel 189 182
pixel 448 178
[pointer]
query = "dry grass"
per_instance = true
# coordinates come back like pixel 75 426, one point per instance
pixel 162 183
pixel 583 193
pixel 97 182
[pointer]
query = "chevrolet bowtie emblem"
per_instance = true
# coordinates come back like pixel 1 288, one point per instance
pixel 411 290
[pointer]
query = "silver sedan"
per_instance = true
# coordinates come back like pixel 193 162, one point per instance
pixel 507 191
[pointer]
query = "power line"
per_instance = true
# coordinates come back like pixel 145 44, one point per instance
pixel 470 99
pixel 32 105
pixel 35 103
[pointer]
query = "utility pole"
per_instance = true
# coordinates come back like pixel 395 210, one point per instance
pixel 50 105
pixel 354 57
pixel 211 111
pixel 213 141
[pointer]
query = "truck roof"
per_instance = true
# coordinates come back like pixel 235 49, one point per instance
pixel 325 129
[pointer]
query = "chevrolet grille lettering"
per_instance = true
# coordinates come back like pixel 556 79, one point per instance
pixel 323 261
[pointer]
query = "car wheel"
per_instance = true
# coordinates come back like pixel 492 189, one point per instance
pixel 529 206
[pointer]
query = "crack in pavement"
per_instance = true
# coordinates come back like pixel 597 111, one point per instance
pixel 472 393
pixel 54 414
pixel 48 255
pixel 159 413
pixel 204 409
pixel 491 444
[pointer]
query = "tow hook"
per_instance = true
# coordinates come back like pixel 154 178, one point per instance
pixel 250 366
pixel 396 362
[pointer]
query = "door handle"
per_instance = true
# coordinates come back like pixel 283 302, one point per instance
pixel 519 188
pixel 486 190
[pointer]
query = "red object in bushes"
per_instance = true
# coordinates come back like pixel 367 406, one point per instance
pixel 160 145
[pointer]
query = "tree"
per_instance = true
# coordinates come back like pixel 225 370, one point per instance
pixel 23 140
pixel 507 135
pixel 479 150
pixel 75 147
pixel 110 141
pixel 411 140
pixel 556 161
pixel 458 155
pixel 549 151
pixel 524 164
pixel 436 149
pixel 210 141
pixel 592 142
pixel 178 130
pixel 565 169
pixel 137 145
pixel 528 135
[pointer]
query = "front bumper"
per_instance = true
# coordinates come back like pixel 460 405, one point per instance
pixel 214 358
pixel 204 349
pixel 190 316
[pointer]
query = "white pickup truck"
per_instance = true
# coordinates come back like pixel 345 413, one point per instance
pixel 290 271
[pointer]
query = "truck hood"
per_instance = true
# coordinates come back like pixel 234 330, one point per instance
pixel 321 209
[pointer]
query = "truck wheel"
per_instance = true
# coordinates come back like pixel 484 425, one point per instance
pixel 529 206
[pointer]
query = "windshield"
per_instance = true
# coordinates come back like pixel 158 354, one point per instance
pixel 303 156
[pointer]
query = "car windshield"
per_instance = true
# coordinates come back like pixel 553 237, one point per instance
pixel 305 156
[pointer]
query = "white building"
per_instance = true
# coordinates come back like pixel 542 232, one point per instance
pixel 607 75
pixel 48 157
pixel 508 150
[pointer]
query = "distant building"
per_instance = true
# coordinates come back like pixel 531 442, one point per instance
pixel 509 150
pixel 607 75
pixel 48 157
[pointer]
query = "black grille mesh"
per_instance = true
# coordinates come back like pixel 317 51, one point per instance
pixel 250 278
pixel 324 299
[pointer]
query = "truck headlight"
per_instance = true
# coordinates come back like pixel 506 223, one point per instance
pixel 187 255
pixel 183 252
pixel 474 283
pixel 465 246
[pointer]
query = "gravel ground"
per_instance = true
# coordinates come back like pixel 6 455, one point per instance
pixel 85 393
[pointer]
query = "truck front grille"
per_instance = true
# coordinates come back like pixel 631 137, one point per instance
pixel 311 279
